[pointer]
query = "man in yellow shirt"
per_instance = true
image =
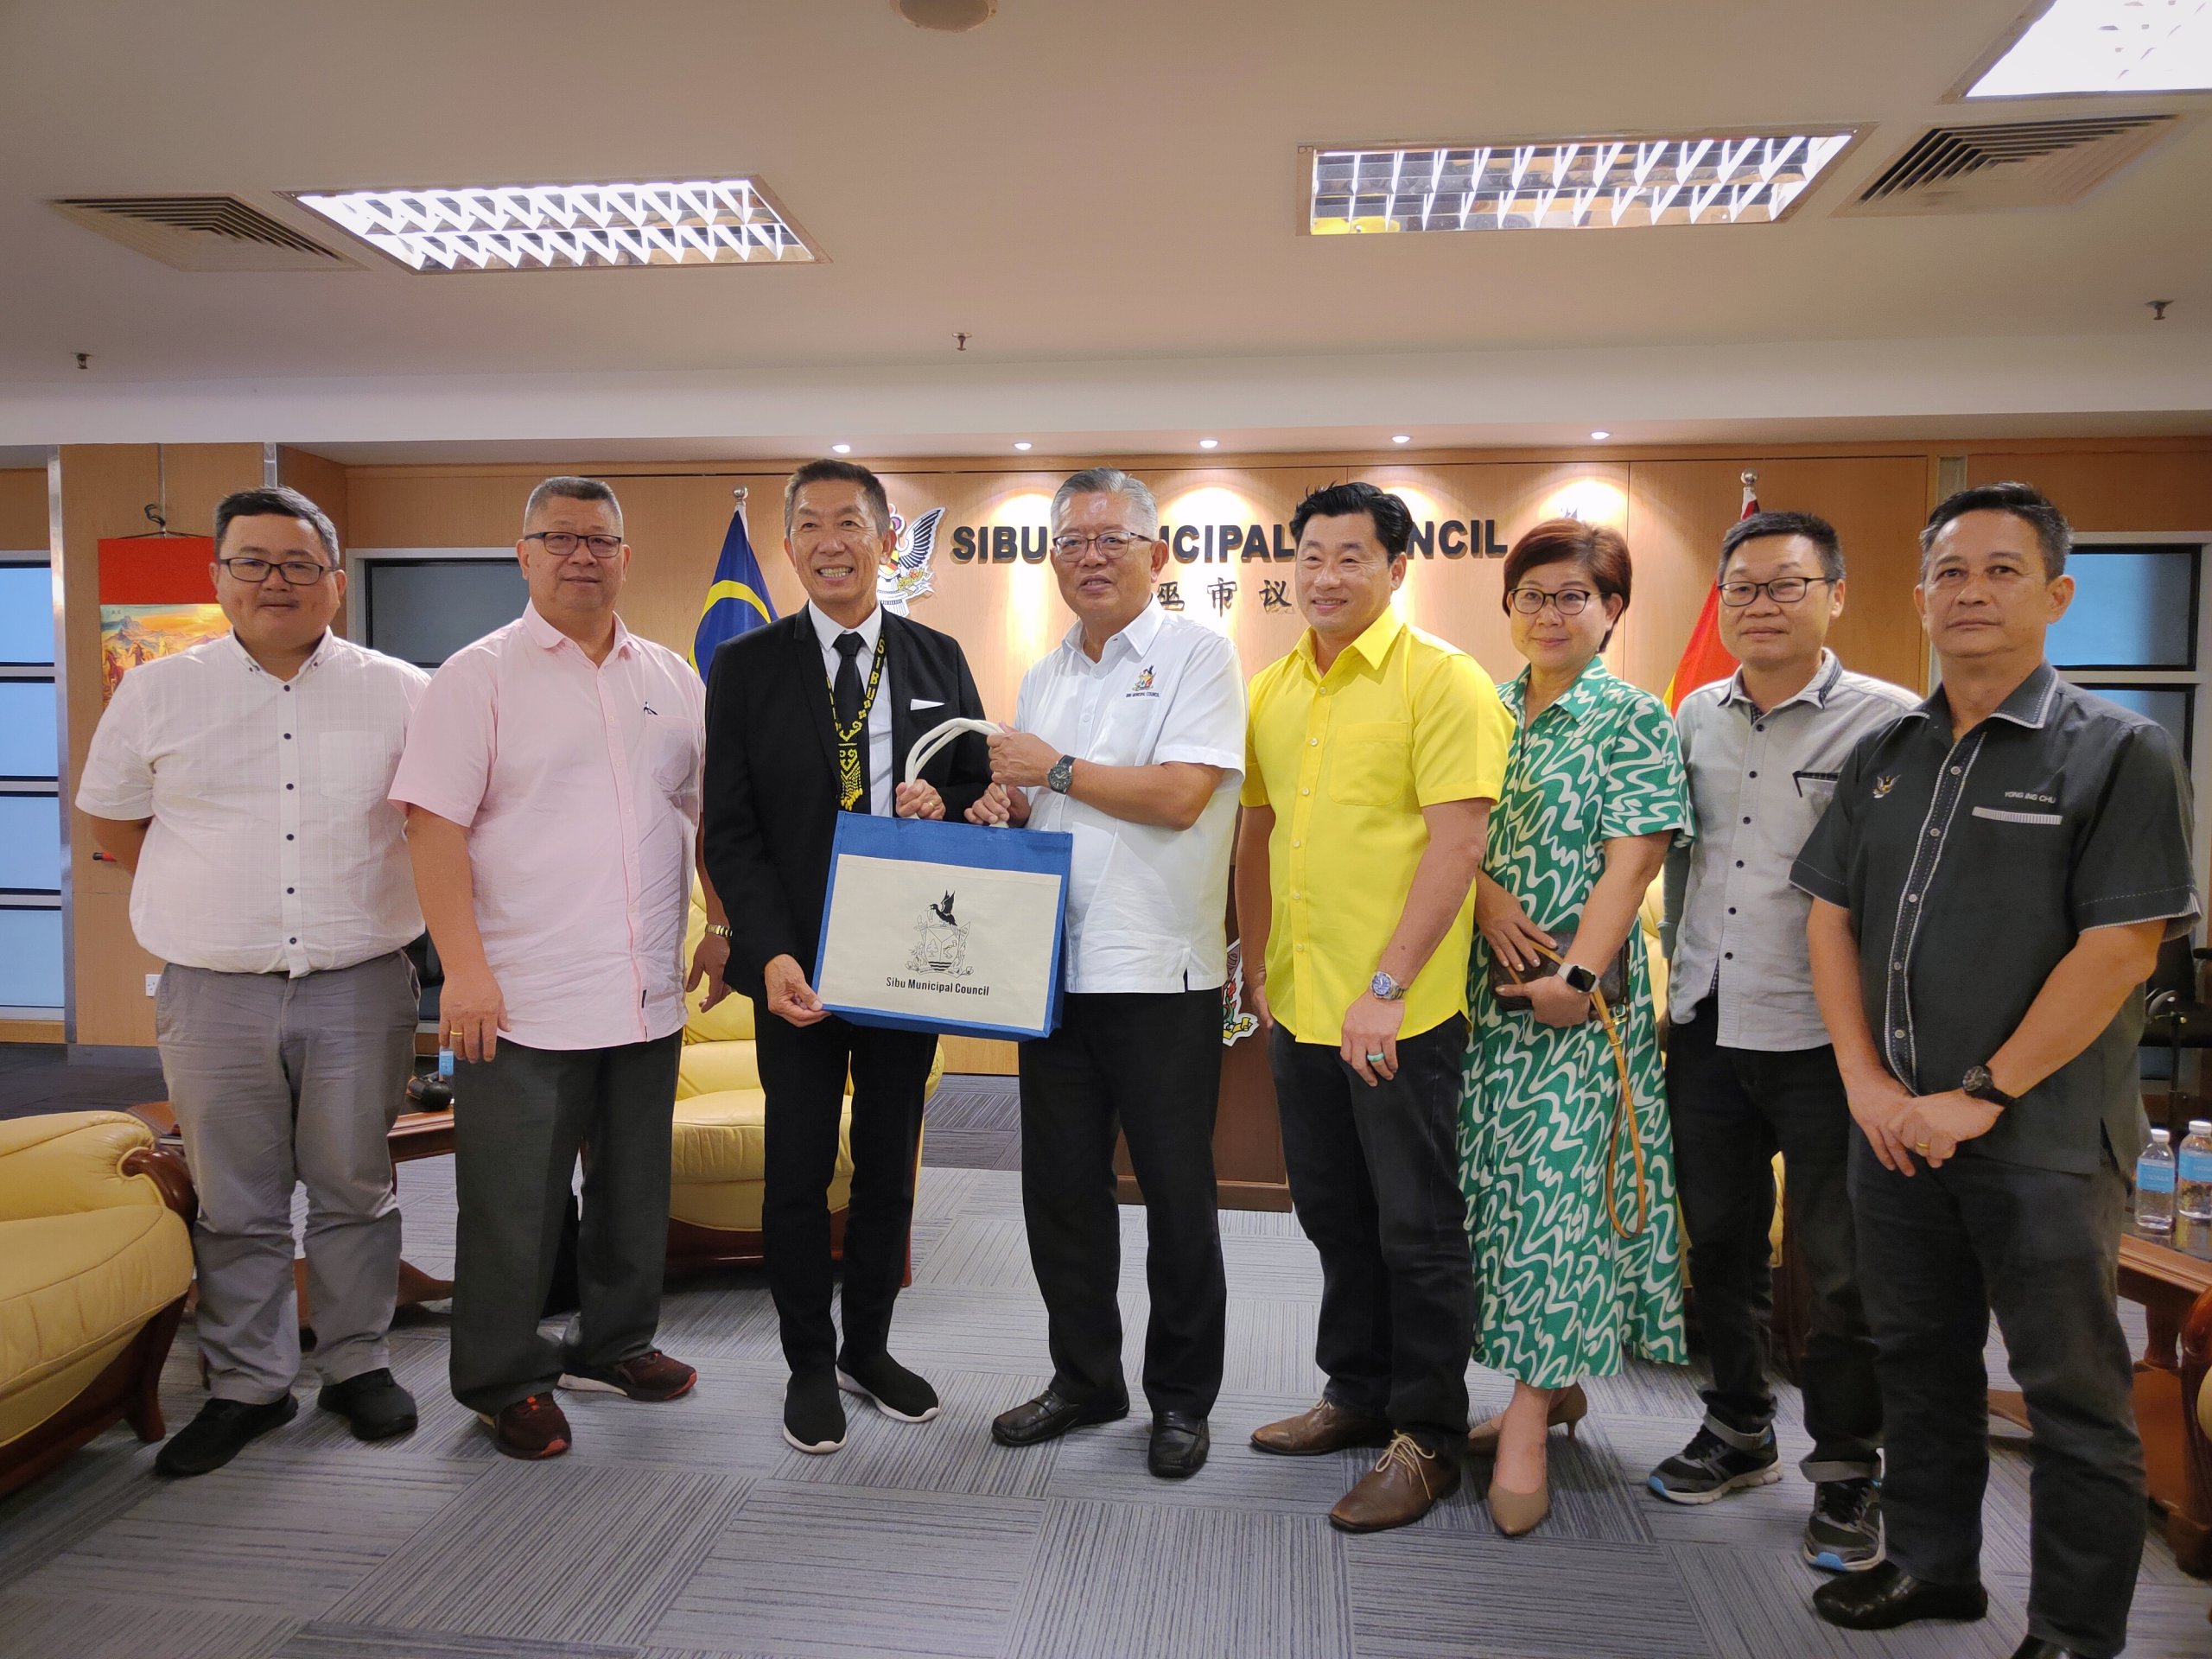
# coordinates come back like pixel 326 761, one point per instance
pixel 1372 757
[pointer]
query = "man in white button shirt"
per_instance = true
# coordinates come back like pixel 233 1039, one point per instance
pixel 242 783
pixel 1130 736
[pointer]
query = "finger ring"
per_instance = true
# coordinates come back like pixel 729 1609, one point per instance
pixel 1376 1059
pixel 1920 1145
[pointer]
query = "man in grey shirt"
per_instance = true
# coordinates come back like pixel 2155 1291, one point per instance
pixel 1748 1068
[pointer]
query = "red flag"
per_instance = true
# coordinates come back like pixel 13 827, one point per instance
pixel 1705 659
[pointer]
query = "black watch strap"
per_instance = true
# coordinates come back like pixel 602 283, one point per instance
pixel 1978 1085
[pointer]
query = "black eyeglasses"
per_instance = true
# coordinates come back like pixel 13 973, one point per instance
pixel 1569 601
pixel 1782 590
pixel 562 545
pixel 299 573
pixel 1110 544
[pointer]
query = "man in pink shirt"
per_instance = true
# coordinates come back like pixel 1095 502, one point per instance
pixel 551 782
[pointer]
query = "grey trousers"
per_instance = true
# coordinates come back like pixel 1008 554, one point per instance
pixel 1938 1252
pixel 520 1120
pixel 277 1082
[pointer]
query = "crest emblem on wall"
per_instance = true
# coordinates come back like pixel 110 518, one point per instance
pixel 908 577
pixel 1236 1024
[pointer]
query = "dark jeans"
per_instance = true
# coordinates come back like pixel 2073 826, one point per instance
pixel 1937 1252
pixel 1151 1062
pixel 802 1070
pixel 1375 1175
pixel 1732 1110
pixel 519 1118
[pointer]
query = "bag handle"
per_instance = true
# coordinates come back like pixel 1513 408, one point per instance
pixel 1627 1111
pixel 927 745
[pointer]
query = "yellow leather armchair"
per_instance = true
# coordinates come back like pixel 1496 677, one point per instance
pixel 95 1263
pixel 718 1155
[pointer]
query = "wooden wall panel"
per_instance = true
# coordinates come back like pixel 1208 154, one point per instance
pixel 1678 510
pixel 105 488
pixel 1007 616
pixel 2111 490
pixel 22 509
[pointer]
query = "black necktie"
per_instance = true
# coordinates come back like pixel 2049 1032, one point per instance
pixel 845 697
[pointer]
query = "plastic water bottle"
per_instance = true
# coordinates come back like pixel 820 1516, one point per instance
pixel 2154 1184
pixel 2193 1191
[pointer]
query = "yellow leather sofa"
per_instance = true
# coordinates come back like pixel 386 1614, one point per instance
pixel 95 1263
pixel 718 1154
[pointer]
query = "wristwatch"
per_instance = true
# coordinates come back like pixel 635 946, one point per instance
pixel 1578 978
pixel 1061 778
pixel 1977 1084
pixel 1385 989
pixel 721 930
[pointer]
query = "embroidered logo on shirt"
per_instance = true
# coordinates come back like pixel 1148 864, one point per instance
pixel 1143 687
pixel 1884 784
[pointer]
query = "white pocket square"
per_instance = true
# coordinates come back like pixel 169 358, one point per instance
pixel 926 702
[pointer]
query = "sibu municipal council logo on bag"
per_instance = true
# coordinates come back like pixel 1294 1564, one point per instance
pixel 940 942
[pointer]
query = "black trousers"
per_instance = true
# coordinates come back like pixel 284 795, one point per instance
pixel 520 1120
pixel 1938 1251
pixel 803 1070
pixel 1375 1175
pixel 1732 1110
pixel 1152 1063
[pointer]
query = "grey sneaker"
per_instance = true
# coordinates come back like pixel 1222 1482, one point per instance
pixel 1710 1467
pixel 1845 1535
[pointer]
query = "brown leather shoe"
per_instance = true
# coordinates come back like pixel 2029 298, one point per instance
pixel 1324 1427
pixel 1405 1484
pixel 530 1428
pixel 651 1376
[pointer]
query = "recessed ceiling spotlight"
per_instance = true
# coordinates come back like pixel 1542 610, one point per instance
pixel 1567 184
pixel 1601 434
pixel 946 16
pixel 1402 437
pixel 840 448
pixel 567 226
pixel 2106 46
pixel 1209 443
pixel 1023 444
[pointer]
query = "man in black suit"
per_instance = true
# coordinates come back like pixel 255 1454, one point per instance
pixel 807 717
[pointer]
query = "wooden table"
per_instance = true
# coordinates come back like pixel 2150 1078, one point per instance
pixel 414 1135
pixel 2171 1277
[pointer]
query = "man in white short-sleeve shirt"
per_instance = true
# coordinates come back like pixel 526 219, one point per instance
pixel 242 784
pixel 1130 736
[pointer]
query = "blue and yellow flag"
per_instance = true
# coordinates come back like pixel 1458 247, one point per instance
pixel 737 602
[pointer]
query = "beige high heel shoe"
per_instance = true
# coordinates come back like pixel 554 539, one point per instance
pixel 1515 1513
pixel 1569 1407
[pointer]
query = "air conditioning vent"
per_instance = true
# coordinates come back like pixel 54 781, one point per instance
pixel 2013 164
pixel 202 233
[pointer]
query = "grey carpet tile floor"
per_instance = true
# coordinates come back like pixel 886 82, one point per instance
pixel 692 1531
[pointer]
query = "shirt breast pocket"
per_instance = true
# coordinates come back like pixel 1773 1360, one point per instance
pixel 1815 790
pixel 1371 764
pixel 356 766
pixel 674 755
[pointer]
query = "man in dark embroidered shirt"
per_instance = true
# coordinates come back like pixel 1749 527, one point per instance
pixel 1990 889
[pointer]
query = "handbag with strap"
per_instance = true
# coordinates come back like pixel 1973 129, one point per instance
pixel 1610 994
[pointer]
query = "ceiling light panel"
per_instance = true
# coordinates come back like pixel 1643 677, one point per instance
pixel 570 227
pixel 2106 46
pixel 1580 184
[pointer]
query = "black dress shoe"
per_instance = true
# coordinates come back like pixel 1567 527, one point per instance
pixel 376 1408
pixel 222 1430
pixel 1179 1445
pixel 2034 1647
pixel 1048 1416
pixel 1886 1596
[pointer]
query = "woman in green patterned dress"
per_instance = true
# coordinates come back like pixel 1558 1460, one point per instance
pixel 1594 794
